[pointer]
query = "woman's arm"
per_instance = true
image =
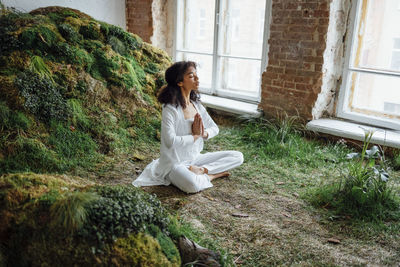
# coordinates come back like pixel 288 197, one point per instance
pixel 168 134
pixel 210 127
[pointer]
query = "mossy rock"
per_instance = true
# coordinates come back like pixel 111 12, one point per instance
pixel 47 220
pixel 60 66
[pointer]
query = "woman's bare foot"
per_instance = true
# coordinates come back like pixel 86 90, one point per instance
pixel 218 175
pixel 198 170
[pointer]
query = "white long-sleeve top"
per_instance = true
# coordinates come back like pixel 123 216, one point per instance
pixel 177 144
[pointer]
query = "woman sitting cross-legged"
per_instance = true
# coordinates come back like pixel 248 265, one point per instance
pixel 185 126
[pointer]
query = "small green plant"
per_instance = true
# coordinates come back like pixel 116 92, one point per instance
pixel 364 190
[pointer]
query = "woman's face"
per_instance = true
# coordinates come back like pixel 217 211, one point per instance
pixel 190 80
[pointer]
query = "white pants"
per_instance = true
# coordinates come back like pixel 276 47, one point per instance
pixel 215 162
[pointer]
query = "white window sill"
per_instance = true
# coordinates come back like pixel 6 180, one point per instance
pixel 231 106
pixel 352 130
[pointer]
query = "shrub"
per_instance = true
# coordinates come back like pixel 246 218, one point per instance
pixel 122 210
pixel 42 97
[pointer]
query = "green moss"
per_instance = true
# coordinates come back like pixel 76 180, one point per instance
pixel 69 33
pixel 130 41
pixel 78 118
pixel 11 120
pixel 76 148
pixel 91 31
pixel 147 126
pixel 8 40
pixel 140 250
pixel 27 154
pixel 103 65
pixel 117 45
pixel 73 55
pixel 167 246
pixel 131 79
pixel 38 37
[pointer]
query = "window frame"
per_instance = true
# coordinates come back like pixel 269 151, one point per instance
pixel 217 57
pixel 351 43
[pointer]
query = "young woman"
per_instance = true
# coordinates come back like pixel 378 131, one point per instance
pixel 184 128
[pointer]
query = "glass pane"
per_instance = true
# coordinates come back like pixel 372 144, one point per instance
pixel 374 94
pixel 242 28
pixel 379 36
pixel 196 25
pixel 204 67
pixel 240 76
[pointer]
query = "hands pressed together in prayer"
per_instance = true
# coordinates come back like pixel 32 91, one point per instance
pixel 198 127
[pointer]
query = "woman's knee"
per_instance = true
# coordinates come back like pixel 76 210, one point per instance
pixel 184 179
pixel 239 157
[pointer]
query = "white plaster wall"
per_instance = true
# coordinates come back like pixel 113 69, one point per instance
pixel 332 68
pixel 110 11
pixel 163 25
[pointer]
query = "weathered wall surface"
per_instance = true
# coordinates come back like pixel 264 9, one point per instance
pixel 297 43
pixel 332 68
pixel 139 18
pixel 163 25
pixel 112 12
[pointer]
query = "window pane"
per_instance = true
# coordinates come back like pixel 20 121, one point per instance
pixel 204 67
pixel 378 35
pixel 240 76
pixel 374 94
pixel 196 25
pixel 242 28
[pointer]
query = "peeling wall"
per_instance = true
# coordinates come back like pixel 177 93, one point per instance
pixel 163 25
pixel 333 59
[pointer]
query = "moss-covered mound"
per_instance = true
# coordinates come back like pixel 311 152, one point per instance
pixel 73 91
pixel 56 220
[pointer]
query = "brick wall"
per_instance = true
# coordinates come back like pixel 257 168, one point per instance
pixel 139 18
pixel 297 42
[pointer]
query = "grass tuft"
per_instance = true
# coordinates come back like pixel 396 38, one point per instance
pixel 70 212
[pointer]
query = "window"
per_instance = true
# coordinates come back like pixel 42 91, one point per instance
pixel 396 55
pixel 370 91
pixel 202 24
pixel 223 37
